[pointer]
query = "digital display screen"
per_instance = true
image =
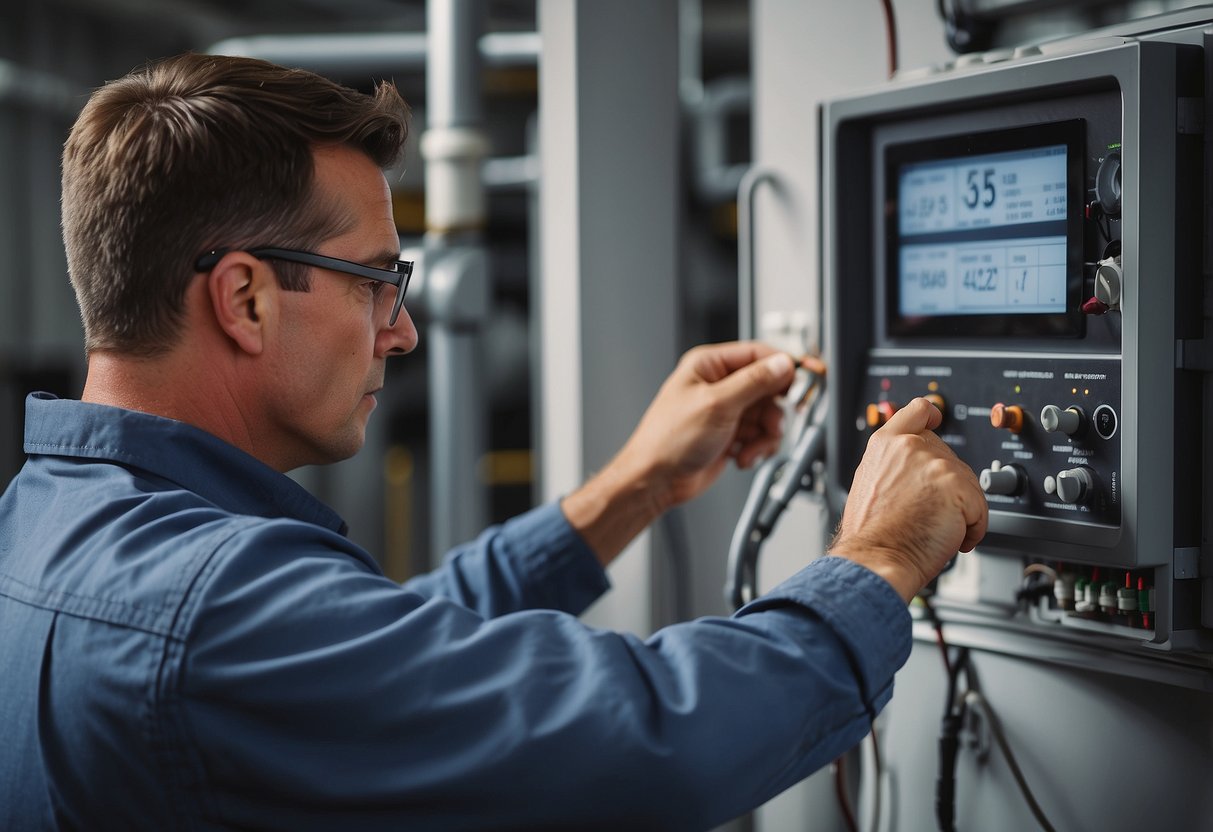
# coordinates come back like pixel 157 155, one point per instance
pixel 986 228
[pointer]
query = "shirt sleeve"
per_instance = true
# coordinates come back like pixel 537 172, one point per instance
pixel 315 694
pixel 533 561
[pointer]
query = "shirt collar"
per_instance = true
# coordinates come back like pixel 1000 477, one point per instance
pixel 181 453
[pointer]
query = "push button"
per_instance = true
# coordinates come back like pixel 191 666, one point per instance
pixel 1104 419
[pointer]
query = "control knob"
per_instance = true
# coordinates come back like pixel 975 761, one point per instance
pixel 1072 485
pixel 1108 185
pixel 1001 479
pixel 1054 419
pixel 1109 277
pixel 878 413
pixel 1007 416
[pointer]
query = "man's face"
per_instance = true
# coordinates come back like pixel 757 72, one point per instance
pixel 334 340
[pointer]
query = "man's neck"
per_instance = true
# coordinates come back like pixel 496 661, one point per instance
pixel 171 385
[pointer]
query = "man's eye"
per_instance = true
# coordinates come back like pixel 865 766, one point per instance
pixel 375 286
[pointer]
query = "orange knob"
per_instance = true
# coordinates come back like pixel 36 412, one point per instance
pixel 1007 416
pixel 880 412
pixel 937 400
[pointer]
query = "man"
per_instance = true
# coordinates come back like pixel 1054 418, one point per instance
pixel 189 640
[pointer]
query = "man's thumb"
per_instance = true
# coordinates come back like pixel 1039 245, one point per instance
pixel 762 378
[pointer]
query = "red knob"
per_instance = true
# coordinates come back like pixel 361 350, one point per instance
pixel 1007 416
pixel 880 412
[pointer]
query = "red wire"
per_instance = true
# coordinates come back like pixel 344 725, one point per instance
pixel 891 32
pixel 840 791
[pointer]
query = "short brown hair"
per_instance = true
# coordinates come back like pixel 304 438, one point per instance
pixel 191 153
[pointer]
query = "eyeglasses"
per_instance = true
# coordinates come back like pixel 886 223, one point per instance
pixel 397 274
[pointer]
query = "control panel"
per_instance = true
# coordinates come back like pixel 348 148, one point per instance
pixel 1041 432
pixel 1022 245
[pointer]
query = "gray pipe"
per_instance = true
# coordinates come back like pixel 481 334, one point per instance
pixel 40 90
pixel 457 278
pixel 345 55
pixel 453 71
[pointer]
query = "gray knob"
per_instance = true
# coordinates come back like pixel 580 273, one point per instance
pixel 1074 485
pixel 1001 479
pixel 1108 281
pixel 1053 418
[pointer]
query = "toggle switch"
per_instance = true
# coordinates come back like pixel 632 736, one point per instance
pixel 1002 479
pixel 1007 416
pixel 1055 420
pixel 879 412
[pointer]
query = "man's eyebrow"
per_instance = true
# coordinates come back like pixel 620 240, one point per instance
pixel 385 258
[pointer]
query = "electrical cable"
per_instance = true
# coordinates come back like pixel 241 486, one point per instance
pixel 949 746
pixel 937 625
pixel 891 34
pixel 950 726
pixel 840 792
pixel 877 765
pixel 975 698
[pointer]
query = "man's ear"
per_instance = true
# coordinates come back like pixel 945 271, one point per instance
pixel 243 291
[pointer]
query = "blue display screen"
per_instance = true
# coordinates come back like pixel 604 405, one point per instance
pixel 978 229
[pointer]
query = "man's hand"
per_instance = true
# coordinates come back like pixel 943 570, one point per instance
pixel 719 403
pixel 912 505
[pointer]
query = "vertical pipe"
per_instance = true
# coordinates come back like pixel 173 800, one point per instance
pixel 456 284
pixel 453 65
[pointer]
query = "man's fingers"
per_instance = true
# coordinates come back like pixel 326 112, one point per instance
pixel 767 377
pixel 917 416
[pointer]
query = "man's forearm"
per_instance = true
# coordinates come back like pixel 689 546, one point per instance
pixel 614 506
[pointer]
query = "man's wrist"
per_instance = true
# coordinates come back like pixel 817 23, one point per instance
pixel 902 576
pixel 612 507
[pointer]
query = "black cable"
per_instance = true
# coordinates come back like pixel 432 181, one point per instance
pixel 937 625
pixel 1012 763
pixel 949 746
pixel 949 742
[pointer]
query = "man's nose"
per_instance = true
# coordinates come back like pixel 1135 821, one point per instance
pixel 399 338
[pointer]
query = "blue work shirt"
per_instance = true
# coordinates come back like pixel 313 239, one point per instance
pixel 189 641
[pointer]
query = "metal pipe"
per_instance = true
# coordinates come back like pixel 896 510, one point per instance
pixel 40 90
pixel 453 69
pixel 345 55
pixel 457 280
pixel 746 299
